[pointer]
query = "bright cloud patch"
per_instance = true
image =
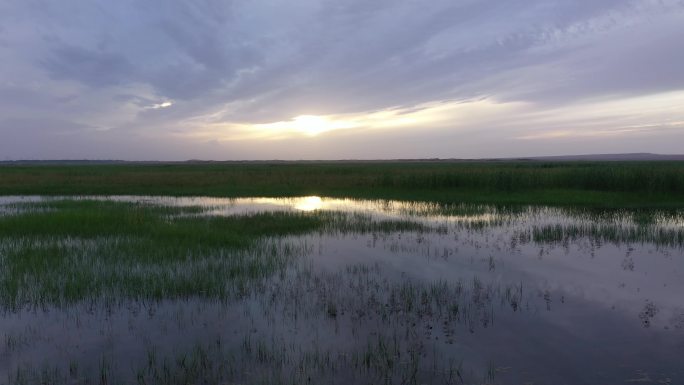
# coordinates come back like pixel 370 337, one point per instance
pixel 160 105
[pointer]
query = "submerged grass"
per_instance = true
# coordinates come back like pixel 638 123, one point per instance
pixel 58 252
pixel 382 332
pixel 61 252
pixel 565 234
pixel 605 184
pixel 292 323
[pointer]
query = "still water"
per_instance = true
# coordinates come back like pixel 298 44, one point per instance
pixel 482 295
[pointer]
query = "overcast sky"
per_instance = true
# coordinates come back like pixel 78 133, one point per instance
pixel 339 79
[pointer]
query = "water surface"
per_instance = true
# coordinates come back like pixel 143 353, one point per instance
pixel 480 294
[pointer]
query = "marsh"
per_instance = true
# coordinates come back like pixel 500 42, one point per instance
pixel 154 289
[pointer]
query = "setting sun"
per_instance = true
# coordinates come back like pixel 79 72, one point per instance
pixel 308 125
pixel 312 125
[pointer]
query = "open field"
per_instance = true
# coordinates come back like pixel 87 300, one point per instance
pixel 602 184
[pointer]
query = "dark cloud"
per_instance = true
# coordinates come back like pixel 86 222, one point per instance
pixel 92 67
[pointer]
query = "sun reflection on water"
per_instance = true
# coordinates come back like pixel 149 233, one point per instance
pixel 309 203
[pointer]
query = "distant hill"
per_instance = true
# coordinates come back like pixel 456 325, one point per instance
pixel 642 157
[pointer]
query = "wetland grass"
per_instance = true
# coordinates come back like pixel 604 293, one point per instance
pixel 61 252
pixel 175 294
pixel 596 232
pixel 602 184
pixel 384 332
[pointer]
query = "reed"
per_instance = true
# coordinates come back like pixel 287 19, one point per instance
pixel 642 184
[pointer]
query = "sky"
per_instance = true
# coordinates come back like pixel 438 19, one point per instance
pixel 339 79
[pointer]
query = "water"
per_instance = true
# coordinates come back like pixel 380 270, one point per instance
pixel 483 295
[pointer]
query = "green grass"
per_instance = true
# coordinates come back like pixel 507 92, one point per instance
pixel 62 252
pixel 602 184
pixel 59 252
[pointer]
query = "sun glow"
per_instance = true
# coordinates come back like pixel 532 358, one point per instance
pixel 435 113
pixel 313 125
pixel 309 203
pixel 309 125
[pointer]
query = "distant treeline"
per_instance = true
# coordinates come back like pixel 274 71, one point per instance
pixel 505 182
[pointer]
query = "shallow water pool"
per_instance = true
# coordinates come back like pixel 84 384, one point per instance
pixel 471 294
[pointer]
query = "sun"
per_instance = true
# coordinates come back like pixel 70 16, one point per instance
pixel 307 125
pixel 313 125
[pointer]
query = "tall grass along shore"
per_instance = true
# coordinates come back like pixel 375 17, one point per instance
pixel 605 184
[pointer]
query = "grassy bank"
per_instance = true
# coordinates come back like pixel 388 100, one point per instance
pixel 605 184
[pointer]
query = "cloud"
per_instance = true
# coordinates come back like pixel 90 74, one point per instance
pixel 95 68
pixel 246 70
pixel 157 106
